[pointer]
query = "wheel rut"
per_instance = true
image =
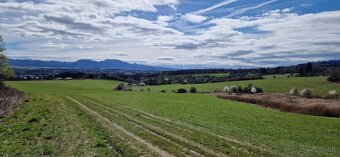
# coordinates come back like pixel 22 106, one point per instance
pixel 153 148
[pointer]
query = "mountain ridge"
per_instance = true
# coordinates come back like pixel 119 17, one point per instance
pixel 84 64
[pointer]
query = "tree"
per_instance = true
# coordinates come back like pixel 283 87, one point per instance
pixel 309 68
pixel 5 69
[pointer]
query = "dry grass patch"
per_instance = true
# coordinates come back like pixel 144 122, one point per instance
pixel 9 99
pixel 286 103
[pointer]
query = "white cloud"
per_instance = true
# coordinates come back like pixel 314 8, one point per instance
pixel 226 2
pixel 99 29
pixel 194 18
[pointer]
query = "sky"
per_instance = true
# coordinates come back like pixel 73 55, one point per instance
pixel 174 33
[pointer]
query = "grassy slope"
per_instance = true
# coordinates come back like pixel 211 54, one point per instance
pixel 48 126
pixel 286 133
pixel 271 85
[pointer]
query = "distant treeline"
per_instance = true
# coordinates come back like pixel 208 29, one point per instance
pixel 191 76
pixel 324 68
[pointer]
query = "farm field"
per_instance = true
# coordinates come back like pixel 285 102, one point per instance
pixel 281 84
pixel 88 118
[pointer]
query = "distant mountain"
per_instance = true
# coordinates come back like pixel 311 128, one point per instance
pixel 84 64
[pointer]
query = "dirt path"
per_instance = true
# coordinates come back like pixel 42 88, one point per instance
pixel 149 145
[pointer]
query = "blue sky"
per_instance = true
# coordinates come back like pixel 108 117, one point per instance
pixel 192 33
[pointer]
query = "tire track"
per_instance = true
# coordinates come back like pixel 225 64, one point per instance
pixel 245 147
pixel 170 122
pixel 194 147
pixel 149 145
pixel 203 149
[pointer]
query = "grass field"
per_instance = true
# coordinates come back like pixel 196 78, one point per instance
pixel 320 85
pixel 87 118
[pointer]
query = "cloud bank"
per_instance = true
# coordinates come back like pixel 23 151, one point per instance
pixel 141 31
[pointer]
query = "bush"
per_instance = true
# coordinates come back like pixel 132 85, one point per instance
pixel 182 90
pixel 332 95
pixel 252 89
pixel 226 89
pixel 334 77
pixel 294 91
pixel 259 89
pixel 235 89
pixel 193 90
pixel 307 93
pixel 248 88
pixel 120 87
pixel 163 91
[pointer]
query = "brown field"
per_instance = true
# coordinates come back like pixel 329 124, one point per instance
pixel 287 103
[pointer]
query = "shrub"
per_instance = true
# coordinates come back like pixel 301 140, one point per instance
pixel 248 88
pixel 163 91
pixel 128 88
pixel 193 90
pixel 294 91
pixel 307 93
pixel 235 89
pixel 332 95
pixel 252 89
pixel 120 87
pixel 182 90
pixel 334 77
pixel 259 89
pixel 142 90
pixel 226 89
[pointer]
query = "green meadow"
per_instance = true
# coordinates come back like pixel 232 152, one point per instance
pixel 281 84
pixel 88 118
